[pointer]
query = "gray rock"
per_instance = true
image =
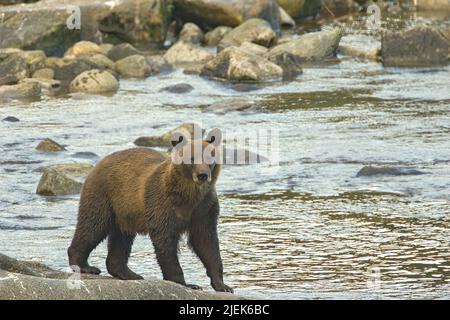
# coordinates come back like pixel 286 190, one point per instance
pixel 213 13
pixel 311 46
pixel 184 53
pixel 95 81
pixel 237 65
pixel 191 33
pixel 291 65
pixel 178 88
pixel 121 51
pixel 23 280
pixel 48 145
pixel 134 66
pixel 85 155
pixel 54 183
pixel 369 171
pixel 158 64
pixel 213 37
pixel 254 30
pixel 419 46
pixel 14 68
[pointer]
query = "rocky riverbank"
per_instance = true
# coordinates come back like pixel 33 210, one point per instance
pixel 239 41
pixel 25 280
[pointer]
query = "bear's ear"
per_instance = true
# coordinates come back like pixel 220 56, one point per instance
pixel 178 139
pixel 214 137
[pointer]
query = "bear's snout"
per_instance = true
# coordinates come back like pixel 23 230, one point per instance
pixel 202 177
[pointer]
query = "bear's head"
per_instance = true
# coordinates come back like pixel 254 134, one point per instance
pixel 196 159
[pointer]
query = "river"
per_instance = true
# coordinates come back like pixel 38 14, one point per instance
pixel 307 229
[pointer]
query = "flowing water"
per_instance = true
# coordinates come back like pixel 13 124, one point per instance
pixel 308 228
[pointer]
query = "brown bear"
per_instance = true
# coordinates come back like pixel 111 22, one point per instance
pixel 142 191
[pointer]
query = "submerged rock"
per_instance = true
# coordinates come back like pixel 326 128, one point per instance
pixel 311 46
pixel 254 30
pixel 213 37
pixel 54 183
pixel 181 53
pixel 24 280
pixel 191 33
pixel 233 104
pixel 11 119
pixel 48 145
pixel 178 88
pixel 369 171
pixel 94 81
pixel 213 13
pixel 419 46
pixel 134 66
pixel 234 64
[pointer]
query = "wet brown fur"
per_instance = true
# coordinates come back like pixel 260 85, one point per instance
pixel 141 191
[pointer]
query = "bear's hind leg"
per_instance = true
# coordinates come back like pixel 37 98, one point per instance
pixel 119 249
pixel 92 228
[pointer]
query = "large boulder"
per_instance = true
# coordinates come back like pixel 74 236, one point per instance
pixel 44 25
pixel 419 46
pixel 95 82
pixel 26 280
pixel 253 30
pixel 184 53
pixel 213 13
pixel 311 46
pixel 134 66
pixel 235 64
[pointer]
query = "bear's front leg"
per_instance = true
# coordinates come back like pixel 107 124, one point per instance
pixel 204 242
pixel 166 251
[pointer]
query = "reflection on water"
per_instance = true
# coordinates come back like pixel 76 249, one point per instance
pixel 310 229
